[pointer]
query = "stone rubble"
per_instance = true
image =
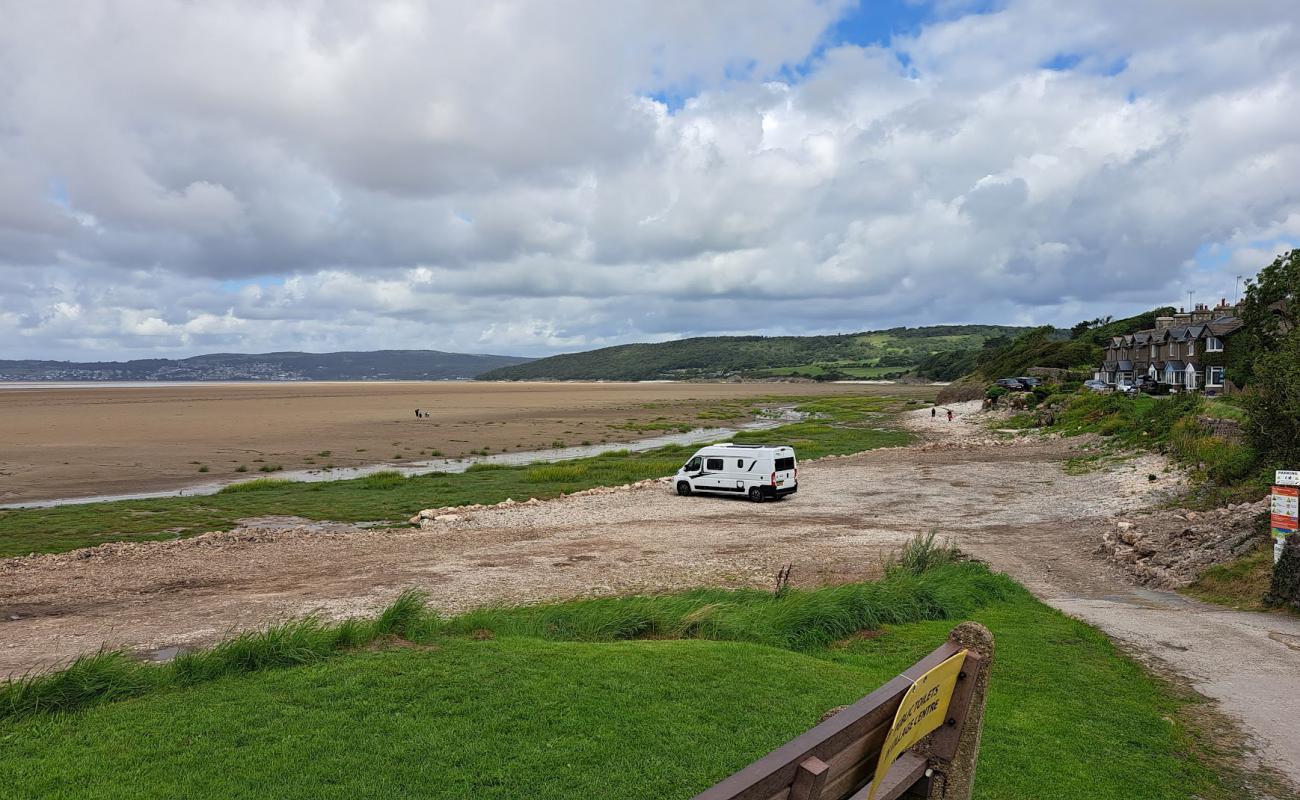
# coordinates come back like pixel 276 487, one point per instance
pixel 1168 549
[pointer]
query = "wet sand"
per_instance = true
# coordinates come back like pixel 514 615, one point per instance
pixel 83 441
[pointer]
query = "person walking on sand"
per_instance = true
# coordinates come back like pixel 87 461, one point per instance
pixel 417 413
pixel 933 412
pixel 950 415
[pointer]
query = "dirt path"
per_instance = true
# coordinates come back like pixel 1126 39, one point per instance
pixel 1009 503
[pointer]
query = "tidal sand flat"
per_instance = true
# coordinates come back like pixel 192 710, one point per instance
pixel 88 440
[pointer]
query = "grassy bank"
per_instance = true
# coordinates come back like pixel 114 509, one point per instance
pixel 849 424
pixel 633 697
pixel 1223 471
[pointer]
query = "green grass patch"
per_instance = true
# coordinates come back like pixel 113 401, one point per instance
pixel 630 697
pixel 1225 471
pixel 256 485
pixel 849 426
pixel 1239 584
pixel 555 473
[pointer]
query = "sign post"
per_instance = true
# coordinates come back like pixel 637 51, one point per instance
pixel 1284 512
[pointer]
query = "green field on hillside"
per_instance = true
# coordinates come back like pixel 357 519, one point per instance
pixel 890 351
pixel 625 697
pixel 850 424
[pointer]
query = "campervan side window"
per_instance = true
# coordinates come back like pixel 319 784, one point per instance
pixel 693 464
pixel 784 464
pixel 713 464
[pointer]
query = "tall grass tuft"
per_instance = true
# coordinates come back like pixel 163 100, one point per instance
pixel 487 466
pixel 113 674
pixel 920 554
pixel 402 614
pixel 256 485
pixel 387 479
pixel 555 473
pixel 92 678
pixel 799 619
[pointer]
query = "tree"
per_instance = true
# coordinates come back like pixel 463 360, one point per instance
pixel 1268 313
pixel 1273 402
pixel 1266 360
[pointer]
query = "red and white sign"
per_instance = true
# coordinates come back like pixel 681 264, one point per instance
pixel 1285 511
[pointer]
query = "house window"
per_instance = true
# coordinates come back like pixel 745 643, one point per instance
pixel 1213 344
pixel 1191 348
pixel 1214 376
pixel 1153 351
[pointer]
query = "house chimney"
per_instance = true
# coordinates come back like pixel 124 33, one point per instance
pixel 1202 313
pixel 1182 318
pixel 1164 323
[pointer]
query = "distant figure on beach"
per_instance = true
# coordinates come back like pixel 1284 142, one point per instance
pixel 933 411
pixel 950 415
pixel 417 413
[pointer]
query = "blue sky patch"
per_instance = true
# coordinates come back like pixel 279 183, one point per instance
pixel 264 281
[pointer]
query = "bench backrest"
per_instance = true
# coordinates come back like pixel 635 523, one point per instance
pixel 837 759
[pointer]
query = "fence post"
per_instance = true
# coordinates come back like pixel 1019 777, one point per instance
pixel 951 752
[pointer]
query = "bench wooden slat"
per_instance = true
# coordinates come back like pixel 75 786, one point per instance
pixel 907 770
pixel 853 765
pixel 772 775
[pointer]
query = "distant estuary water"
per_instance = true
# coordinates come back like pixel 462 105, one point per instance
pixel 774 417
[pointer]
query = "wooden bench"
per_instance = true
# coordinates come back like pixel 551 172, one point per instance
pixel 837 759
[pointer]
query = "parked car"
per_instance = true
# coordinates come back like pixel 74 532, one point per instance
pixel 1096 386
pixel 751 470
pixel 1126 386
pixel 1029 383
pixel 1011 384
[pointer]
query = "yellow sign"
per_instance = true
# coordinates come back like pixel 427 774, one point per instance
pixel 924 708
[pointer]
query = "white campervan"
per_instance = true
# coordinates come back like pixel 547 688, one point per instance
pixel 758 471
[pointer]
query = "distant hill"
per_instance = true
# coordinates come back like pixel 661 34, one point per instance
pixel 359 366
pixel 844 356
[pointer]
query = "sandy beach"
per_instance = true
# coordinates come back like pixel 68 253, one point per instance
pixel 83 441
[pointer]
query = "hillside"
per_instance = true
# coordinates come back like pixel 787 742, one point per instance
pixel 1080 347
pixel 843 356
pixel 290 366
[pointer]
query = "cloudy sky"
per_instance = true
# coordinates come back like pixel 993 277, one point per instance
pixel 526 177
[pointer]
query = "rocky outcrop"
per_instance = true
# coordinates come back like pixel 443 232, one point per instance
pixel 1169 549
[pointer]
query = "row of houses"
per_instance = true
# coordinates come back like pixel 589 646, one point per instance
pixel 1188 350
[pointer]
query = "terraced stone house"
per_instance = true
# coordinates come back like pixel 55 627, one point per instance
pixel 1189 350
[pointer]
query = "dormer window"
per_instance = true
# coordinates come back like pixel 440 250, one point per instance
pixel 1213 344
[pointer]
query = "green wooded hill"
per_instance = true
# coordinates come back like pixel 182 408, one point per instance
pixel 1081 347
pixel 871 354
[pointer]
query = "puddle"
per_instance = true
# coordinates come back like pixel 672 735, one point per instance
pixel 769 418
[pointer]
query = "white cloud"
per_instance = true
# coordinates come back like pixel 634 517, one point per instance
pixel 497 175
